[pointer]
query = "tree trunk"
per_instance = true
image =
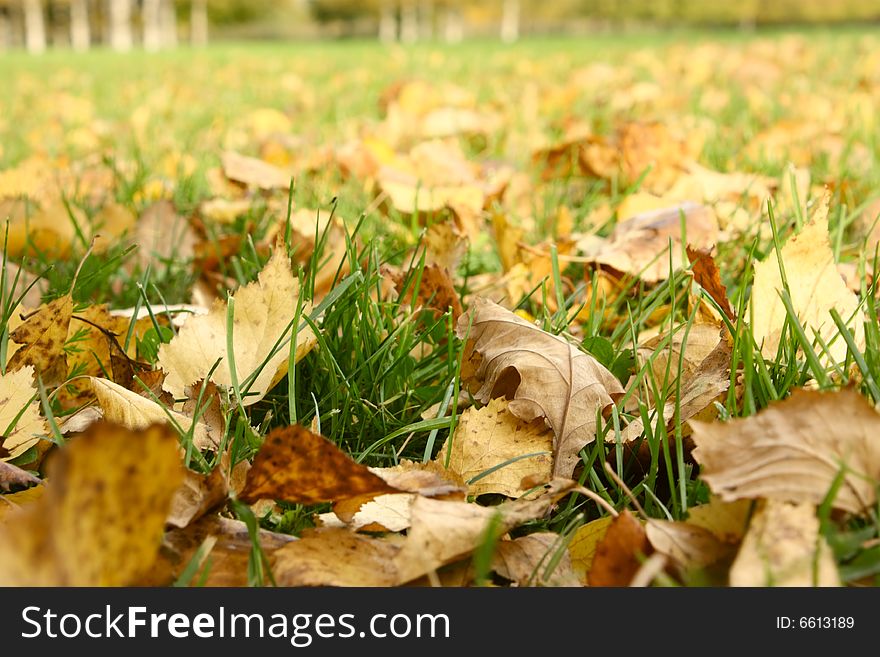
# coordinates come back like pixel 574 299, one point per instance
pixel 34 26
pixel 119 17
pixel 453 30
pixel 168 21
pixel 151 18
pixel 409 22
pixel 5 30
pixel 387 22
pixel 510 11
pixel 80 31
pixel 426 20
pixel 198 23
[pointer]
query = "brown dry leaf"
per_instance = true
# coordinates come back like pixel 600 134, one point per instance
pixel 13 502
pixel 42 336
pixel 491 436
pixel 443 531
pixel 689 545
pixel 296 465
pixel 542 375
pixel 783 548
pixel 163 235
pixel 100 521
pixel 435 290
pixel 227 561
pixel 21 430
pixel 264 311
pixel 252 172
pixel 135 411
pixel 383 513
pixel 815 287
pixel 582 547
pixel 794 449
pixel 445 245
pixel 640 246
pixel 699 389
pixel 528 561
pixel 197 495
pixel 13 476
pixel 708 277
pixel 337 557
pixel 618 553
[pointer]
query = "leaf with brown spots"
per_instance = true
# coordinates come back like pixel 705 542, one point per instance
pixel 100 521
pixel 42 336
pixel 531 561
pixel 296 465
pixel 492 437
pixel 618 554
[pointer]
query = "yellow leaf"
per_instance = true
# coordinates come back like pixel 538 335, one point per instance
pixel 582 547
pixel 815 287
pixel 264 313
pixel 20 431
pixel 42 336
pixel 491 436
pixel 100 520
pixel 783 548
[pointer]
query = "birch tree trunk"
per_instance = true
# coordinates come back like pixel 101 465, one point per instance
pixel 34 26
pixel 510 12
pixel 387 22
pixel 426 20
pixel 151 18
pixel 80 31
pixel 409 22
pixel 119 17
pixel 168 23
pixel 453 29
pixel 198 23
pixel 5 30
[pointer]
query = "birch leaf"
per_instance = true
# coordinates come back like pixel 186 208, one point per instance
pixel 264 310
pixel 815 287
pixel 783 548
pixel 20 430
pixel 492 436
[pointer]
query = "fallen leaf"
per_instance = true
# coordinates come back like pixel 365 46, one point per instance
pixel 42 336
pixel 252 172
pixel 531 561
pixel 337 557
pixel 444 531
pixel 11 503
pixel 619 552
pixel 135 411
pixel 162 235
pixel 13 476
pixel 815 287
pixel 197 495
pixel 708 277
pixel 100 521
pixel 263 316
pixel 582 547
pixel 226 564
pixel 492 436
pixel 794 449
pixel 640 246
pixel 296 465
pixel 728 521
pixel 20 419
pixel 542 375
pixel 783 548
pixel 689 545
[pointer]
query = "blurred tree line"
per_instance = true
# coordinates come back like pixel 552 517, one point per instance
pixel 155 24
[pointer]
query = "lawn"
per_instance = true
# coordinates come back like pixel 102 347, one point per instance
pixel 639 268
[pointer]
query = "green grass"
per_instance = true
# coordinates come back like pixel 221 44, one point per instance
pixel 366 386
